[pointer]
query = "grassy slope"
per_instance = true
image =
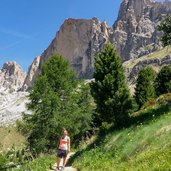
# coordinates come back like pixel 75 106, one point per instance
pixel 144 146
pixel 157 54
pixel 10 137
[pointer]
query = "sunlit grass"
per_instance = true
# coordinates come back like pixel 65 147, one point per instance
pixel 143 146
pixel 9 137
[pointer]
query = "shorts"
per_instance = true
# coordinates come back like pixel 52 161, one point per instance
pixel 62 153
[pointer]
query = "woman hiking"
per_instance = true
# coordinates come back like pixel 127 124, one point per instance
pixel 63 149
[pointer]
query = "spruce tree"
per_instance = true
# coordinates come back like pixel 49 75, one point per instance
pixel 145 87
pixel 163 80
pixel 109 89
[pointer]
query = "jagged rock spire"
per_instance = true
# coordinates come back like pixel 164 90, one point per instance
pixel 135 31
pixel 12 76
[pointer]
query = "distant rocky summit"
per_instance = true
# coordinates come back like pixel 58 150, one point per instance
pixel 134 34
pixel 12 77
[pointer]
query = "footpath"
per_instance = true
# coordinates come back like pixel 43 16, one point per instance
pixel 67 168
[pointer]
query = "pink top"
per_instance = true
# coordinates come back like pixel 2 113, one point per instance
pixel 64 143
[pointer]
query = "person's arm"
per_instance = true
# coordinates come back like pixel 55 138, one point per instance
pixel 69 144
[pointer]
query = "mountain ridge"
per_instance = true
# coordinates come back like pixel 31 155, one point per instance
pixel 133 34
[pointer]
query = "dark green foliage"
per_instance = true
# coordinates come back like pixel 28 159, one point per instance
pixel 165 26
pixel 145 89
pixel 80 105
pixel 163 80
pixel 58 74
pixel 56 102
pixel 109 89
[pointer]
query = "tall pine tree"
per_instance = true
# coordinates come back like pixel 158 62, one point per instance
pixel 109 89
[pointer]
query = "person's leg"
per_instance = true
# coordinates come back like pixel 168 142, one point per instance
pixel 58 161
pixel 64 158
pixel 59 156
pixel 64 161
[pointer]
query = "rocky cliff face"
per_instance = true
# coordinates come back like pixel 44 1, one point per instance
pixel 12 77
pixel 135 31
pixel 79 40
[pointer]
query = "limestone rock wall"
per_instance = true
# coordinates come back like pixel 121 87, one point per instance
pixel 79 40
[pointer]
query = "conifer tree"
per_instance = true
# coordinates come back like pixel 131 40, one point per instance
pixel 163 80
pixel 109 89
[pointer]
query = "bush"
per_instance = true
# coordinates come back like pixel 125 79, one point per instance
pixel 165 98
pixel 145 89
pixel 104 128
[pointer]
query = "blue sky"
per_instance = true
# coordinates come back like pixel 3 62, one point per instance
pixel 28 26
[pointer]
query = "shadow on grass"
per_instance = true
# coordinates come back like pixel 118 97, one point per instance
pixel 149 114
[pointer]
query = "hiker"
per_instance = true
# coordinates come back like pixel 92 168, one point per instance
pixel 63 149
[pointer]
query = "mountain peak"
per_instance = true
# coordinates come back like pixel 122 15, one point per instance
pixel 12 76
pixel 134 34
pixel 135 31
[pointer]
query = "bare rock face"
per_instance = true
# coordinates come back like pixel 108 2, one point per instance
pixel 79 40
pixel 12 77
pixel 12 105
pixel 12 101
pixel 32 73
pixel 135 31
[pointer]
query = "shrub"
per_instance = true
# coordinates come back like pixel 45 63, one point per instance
pixel 145 89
